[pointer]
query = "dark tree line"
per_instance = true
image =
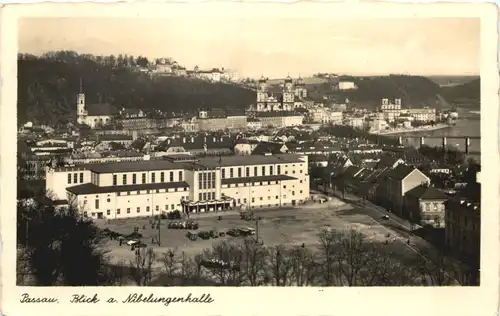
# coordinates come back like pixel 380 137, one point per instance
pixel 48 84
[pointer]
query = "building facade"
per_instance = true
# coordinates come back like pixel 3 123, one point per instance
pixel 148 188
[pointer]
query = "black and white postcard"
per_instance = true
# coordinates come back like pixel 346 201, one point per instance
pixel 249 158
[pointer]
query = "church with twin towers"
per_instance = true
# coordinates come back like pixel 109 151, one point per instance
pixel 293 93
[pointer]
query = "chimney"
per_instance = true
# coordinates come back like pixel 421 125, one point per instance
pixel 192 139
pixel 215 139
pixel 168 141
pixel 184 139
pixel 205 139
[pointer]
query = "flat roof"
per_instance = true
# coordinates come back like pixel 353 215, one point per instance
pixel 228 161
pixel 89 188
pixel 257 179
pixel 134 166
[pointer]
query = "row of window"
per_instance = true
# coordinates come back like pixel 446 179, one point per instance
pixel 206 180
pixel 144 178
pixel 264 169
pixel 206 196
pixel 254 184
pixel 148 209
pixel 74 177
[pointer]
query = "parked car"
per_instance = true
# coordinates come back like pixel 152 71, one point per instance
pixel 247 231
pixel 222 234
pixel 131 242
pixel 214 234
pixel 192 236
pixel 233 232
pixel 204 235
pixel 385 217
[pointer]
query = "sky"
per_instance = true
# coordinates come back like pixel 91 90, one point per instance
pixel 273 47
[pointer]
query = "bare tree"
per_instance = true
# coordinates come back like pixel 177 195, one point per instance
pixel 436 268
pixel 141 268
pixel 353 256
pixel 170 262
pixel 329 241
pixel 280 266
pixel 304 267
pixel 229 258
pixel 254 261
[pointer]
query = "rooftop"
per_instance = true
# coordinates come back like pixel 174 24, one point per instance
pixel 89 188
pixel 257 179
pixel 427 193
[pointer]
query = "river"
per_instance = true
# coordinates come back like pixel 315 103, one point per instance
pixel 470 126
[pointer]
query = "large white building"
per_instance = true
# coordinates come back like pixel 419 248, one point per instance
pixel 148 188
pixel 94 115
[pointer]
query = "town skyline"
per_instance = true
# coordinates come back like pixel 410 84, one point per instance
pixel 425 47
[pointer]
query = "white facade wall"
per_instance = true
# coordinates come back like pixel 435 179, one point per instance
pixel 57 180
pixel 111 201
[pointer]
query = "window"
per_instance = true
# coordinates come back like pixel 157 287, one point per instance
pixel 271 170
pixel 231 174
pixel 172 207
pixel 300 191
pixel 162 176
pixel 147 209
pixel 247 172
pixel 108 200
pixel 157 208
pixel 81 177
pixel 118 211
pixel 213 179
pixel 213 195
pixel 180 176
pixel 124 179
pixel 239 173
pixel 253 200
pixel 254 171
pixel 204 196
pixel 143 178
pixel 277 197
pixel 128 210
pixel 261 198
pixel 200 197
pixel 134 178
pixel 69 178
pixel 153 176
pixel 166 207
pixel 115 180
pixel 138 209
pixel 108 212
pixel 96 204
pixel 223 174
pixel 293 192
pixel 263 170
pixel 171 176
pixel 75 177
pixel 279 169
pixel 284 187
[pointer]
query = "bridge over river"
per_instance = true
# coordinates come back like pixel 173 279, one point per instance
pixel 467 144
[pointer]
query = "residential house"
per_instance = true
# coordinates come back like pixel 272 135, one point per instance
pixel 425 205
pixel 397 182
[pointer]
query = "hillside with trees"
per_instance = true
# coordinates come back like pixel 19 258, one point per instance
pixel 464 95
pixel 415 91
pixel 48 84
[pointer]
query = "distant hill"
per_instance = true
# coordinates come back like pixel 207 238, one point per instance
pixel 413 90
pixel 464 95
pixel 47 88
pixel 449 81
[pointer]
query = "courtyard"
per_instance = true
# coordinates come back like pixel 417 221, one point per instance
pixel 285 226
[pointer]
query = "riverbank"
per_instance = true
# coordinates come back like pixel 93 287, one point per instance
pixel 412 130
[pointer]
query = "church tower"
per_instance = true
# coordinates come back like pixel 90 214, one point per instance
pixel 288 94
pixel 80 106
pixel 262 95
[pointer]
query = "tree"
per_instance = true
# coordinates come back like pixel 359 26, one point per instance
pixel 280 266
pixel 142 61
pixel 232 256
pixel 170 261
pixel 328 242
pixel 141 268
pixel 61 247
pixel 304 268
pixel 254 261
pixel 353 256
